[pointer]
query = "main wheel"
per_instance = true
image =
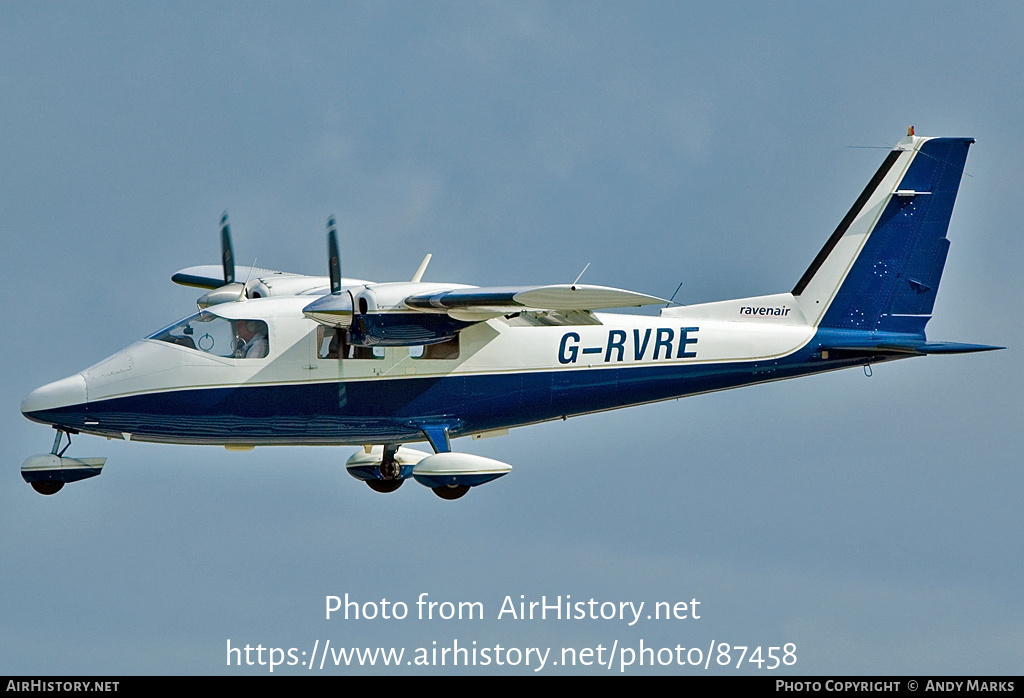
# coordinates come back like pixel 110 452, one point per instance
pixel 450 491
pixel 47 486
pixel 384 485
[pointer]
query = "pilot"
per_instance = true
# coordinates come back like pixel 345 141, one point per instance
pixel 253 336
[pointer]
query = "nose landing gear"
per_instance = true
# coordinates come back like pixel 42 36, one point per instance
pixel 47 486
pixel 48 473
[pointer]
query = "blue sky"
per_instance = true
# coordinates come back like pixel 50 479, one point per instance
pixel 872 522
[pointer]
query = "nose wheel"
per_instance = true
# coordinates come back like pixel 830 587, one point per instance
pixel 53 486
pixel 47 486
pixel 48 473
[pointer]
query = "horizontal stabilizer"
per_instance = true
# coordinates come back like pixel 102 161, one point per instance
pixel 555 297
pixel 953 348
pixel 886 347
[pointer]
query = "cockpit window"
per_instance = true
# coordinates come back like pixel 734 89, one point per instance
pixel 206 332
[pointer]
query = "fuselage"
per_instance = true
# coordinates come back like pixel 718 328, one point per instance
pixel 287 359
pixel 502 373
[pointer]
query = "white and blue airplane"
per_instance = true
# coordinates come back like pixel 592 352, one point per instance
pixel 286 359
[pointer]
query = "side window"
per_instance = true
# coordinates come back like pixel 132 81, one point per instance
pixel 331 344
pixel 327 344
pixel 251 339
pixel 443 350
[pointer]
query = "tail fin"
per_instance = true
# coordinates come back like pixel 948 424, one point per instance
pixel 880 269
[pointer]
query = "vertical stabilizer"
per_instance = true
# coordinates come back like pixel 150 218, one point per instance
pixel 880 269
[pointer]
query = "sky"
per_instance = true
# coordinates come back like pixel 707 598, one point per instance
pixel 874 523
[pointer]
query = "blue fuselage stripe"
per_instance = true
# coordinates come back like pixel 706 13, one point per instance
pixel 391 410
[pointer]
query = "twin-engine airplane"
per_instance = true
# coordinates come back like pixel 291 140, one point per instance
pixel 285 359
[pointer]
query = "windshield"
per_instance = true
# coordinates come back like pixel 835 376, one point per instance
pixel 206 332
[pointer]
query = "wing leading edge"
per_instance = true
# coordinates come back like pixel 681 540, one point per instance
pixel 501 299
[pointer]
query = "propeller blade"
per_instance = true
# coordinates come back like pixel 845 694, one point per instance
pixel 227 255
pixel 333 258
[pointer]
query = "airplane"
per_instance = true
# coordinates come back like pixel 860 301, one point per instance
pixel 287 359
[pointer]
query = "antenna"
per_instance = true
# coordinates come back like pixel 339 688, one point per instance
pixel 241 296
pixel 674 294
pixel 580 276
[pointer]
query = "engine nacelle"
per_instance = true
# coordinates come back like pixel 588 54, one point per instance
pixel 444 469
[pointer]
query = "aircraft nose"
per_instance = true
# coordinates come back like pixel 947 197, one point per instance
pixel 63 393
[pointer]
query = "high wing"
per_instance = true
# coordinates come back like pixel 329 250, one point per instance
pixel 209 276
pixel 499 300
pixel 407 314
pixel 397 314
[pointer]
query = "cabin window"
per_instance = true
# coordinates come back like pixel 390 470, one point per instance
pixel 211 334
pixel 442 350
pixel 327 343
pixel 331 344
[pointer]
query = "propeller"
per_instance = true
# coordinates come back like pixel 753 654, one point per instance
pixel 227 254
pixel 335 309
pixel 230 291
pixel 333 258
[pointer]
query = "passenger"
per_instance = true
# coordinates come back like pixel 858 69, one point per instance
pixel 335 345
pixel 253 335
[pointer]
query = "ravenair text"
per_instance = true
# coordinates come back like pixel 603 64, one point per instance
pixel 748 310
pixel 558 608
pixel 638 344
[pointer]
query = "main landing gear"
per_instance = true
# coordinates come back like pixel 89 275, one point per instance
pixel 390 472
pixel 448 475
pixel 450 491
pixel 384 486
